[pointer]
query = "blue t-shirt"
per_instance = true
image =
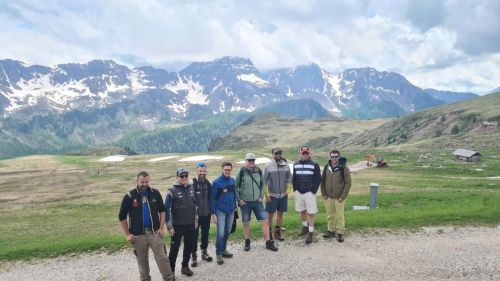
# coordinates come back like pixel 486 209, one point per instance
pixel 145 208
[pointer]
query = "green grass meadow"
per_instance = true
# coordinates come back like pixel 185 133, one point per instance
pixel 77 209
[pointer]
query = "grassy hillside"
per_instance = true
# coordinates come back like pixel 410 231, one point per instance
pixel 268 130
pixel 56 205
pixel 469 124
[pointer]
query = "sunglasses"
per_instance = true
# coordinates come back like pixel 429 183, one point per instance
pixel 277 153
pixel 183 176
pixel 227 170
pixel 334 157
pixel 305 152
pixel 251 160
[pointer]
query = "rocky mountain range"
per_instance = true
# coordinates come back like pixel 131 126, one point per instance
pixel 206 88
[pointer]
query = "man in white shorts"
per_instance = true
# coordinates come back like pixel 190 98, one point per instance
pixel 306 180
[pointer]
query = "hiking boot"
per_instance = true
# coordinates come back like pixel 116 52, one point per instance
pixel 186 271
pixel 329 234
pixel 205 256
pixel 277 234
pixel 340 238
pixel 194 260
pixel 227 254
pixel 220 260
pixel 304 231
pixel 270 246
pixel 247 245
pixel 309 238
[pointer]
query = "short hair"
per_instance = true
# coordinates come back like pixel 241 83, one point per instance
pixel 334 151
pixel 142 174
pixel 226 164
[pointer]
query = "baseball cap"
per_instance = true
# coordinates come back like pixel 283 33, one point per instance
pixel 201 164
pixel 304 149
pixel 182 171
pixel 276 149
pixel 250 156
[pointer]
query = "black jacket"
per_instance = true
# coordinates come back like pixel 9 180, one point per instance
pixel 132 207
pixel 306 176
pixel 202 190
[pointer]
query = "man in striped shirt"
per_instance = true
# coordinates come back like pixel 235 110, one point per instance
pixel 306 180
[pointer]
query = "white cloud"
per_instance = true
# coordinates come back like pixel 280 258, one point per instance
pixel 402 36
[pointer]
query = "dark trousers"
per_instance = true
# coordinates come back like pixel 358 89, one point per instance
pixel 204 224
pixel 188 232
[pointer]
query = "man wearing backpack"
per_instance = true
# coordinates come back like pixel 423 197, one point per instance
pixel 146 214
pixel 249 191
pixel 335 185
pixel 222 206
pixel 306 180
pixel 278 177
pixel 202 190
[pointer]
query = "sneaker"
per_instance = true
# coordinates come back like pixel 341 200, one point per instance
pixel 340 238
pixel 304 231
pixel 270 246
pixel 247 245
pixel 329 234
pixel 277 234
pixel 227 254
pixel 194 260
pixel 309 238
pixel 220 260
pixel 186 271
pixel 205 256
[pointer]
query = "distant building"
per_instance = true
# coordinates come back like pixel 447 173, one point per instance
pixel 466 155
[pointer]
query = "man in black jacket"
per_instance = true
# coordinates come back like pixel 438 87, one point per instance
pixel 202 189
pixel 306 180
pixel 182 219
pixel 146 213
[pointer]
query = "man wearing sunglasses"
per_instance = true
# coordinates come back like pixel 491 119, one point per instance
pixel 278 177
pixel 306 180
pixel 335 185
pixel 182 219
pixel 202 189
pixel 250 193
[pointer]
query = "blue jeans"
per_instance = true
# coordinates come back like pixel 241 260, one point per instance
pixel 256 207
pixel 224 224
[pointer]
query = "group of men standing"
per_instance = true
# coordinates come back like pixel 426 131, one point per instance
pixel 190 207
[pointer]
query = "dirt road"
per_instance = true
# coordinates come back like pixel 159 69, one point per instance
pixel 437 253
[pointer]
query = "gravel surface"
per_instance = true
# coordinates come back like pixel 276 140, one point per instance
pixel 435 253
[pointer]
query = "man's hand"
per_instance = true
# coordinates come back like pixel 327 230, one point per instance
pixel 325 197
pixel 160 233
pixel 268 198
pixel 242 203
pixel 214 219
pixel 171 231
pixel 340 199
pixel 130 238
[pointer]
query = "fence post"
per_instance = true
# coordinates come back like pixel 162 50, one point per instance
pixel 373 195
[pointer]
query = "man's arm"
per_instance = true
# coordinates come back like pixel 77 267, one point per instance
pixel 323 183
pixel 168 214
pixel 317 178
pixel 347 182
pixel 122 217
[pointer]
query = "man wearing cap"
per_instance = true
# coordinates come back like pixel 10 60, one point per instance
pixel 249 191
pixel 144 207
pixel 202 190
pixel 222 206
pixel 306 180
pixel 278 177
pixel 182 219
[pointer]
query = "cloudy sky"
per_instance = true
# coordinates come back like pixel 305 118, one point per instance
pixel 447 45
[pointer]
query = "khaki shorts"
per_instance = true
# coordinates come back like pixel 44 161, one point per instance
pixel 306 202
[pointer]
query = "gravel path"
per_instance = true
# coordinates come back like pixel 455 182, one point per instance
pixel 435 253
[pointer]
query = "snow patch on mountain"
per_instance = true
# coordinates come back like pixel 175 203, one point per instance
pixel 252 78
pixel 193 89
